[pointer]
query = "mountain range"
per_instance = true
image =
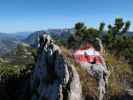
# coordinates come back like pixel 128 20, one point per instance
pixel 9 41
pixel 32 39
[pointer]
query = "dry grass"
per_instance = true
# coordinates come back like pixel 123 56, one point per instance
pixel 120 73
pixel 89 84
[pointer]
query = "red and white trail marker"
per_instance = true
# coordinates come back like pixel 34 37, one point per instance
pixel 88 54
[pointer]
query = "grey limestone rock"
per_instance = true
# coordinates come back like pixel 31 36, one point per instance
pixel 53 77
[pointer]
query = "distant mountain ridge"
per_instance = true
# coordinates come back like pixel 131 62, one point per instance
pixel 32 39
pixel 9 41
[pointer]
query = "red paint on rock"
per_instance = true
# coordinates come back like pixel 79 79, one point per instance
pixel 88 54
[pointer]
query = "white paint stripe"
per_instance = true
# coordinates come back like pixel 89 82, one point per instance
pixel 90 52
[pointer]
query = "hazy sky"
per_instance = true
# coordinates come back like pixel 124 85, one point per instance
pixel 30 15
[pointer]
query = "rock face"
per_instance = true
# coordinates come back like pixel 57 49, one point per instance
pixel 53 77
pixel 100 73
pixel 93 62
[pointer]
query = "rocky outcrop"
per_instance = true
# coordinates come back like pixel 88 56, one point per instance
pixel 100 74
pixel 53 77
pixel 93 62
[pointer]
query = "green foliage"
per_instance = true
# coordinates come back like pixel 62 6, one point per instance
pixel 101 27
pixel 119 28
pixel 117 41
pixel 18 62
pixel 122 46
pixel 91 33
pixel 80 28
pixel 83 33
pixel 7 69
pixel 114 31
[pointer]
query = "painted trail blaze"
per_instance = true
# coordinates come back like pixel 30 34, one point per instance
pixel 89 55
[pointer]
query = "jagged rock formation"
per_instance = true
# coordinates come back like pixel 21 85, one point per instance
pixel 53 77
pixel 96 68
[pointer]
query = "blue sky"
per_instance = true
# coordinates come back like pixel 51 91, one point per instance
pixel 30 15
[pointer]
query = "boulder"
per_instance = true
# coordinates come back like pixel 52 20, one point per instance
pixel 93 62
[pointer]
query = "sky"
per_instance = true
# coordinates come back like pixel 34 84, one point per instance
pixel 32 15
